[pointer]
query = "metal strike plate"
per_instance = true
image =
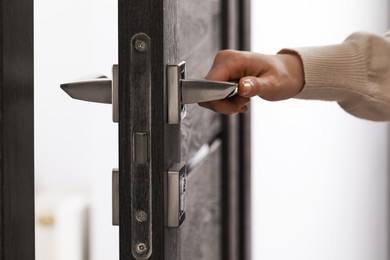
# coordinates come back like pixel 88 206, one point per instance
pixel 183 91
pixel 140 110
pixel 176 195
pixel 100 90
pixel 115 197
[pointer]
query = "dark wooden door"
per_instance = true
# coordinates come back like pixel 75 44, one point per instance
pixel 16 130
pixel 215 148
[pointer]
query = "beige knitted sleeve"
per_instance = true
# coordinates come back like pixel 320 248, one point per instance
pixel 355 73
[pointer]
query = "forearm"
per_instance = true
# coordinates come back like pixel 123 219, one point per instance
pixel 355 73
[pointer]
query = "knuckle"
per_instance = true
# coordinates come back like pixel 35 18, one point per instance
pixel 225 54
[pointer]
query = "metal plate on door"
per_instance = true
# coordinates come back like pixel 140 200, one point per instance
pixel 176 195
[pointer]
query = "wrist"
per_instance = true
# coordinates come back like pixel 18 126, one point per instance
pixel 294 66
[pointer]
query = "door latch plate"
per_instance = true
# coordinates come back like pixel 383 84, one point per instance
pixel 176 110
pixel 176 195
pixel 140 129
pixel 183 91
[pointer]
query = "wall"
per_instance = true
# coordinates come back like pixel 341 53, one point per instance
pixel 76 142
pixel 320 175
pixel 320 186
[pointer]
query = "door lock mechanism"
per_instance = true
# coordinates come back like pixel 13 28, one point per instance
pixel 183 91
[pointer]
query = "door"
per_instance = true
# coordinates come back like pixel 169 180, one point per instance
pixel 183 185
pixel 17 131
pixel 183 182
pixel 217 201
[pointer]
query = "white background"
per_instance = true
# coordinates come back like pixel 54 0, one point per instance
pixel 320 176
pixel 76 142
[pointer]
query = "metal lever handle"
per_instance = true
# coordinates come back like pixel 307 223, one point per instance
pixel 182 91
pixel 100 90
pixel 196 91
pixel 96 90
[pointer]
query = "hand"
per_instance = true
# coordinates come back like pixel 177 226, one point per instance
pixel 271 77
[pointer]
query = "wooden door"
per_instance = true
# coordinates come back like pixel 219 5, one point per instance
pixel 215 148
pixel 17 131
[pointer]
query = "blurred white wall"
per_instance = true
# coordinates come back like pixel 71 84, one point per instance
pixel 76 142
pixel 320 176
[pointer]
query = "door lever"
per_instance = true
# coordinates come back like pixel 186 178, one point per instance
pixel 197 91
pixel 100 90
pixel 183 91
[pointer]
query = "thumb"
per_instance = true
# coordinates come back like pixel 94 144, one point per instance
pixel 252 86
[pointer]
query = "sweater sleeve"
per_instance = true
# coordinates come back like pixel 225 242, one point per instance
pixel 355 73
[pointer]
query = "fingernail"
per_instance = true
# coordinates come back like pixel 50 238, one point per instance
pixel 248 85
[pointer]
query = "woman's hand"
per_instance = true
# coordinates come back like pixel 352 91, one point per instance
pixel 271 77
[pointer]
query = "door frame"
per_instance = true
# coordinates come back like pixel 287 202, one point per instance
pixel 237 137
pixel 17 238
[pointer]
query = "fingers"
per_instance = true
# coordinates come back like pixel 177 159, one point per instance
pixel 236 104
pixel 229 65
pixel 240 102
pixel 249 68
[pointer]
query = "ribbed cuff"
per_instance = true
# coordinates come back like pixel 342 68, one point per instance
pixel 331 72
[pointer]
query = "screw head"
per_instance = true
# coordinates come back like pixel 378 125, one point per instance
pixel 140 45
pixel 141 216
pixel 141 248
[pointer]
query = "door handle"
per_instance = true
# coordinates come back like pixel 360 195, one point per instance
pixel 183 91
pixel 100 90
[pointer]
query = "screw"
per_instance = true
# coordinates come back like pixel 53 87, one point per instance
pixel 141 216
pixel 140 45
pixel 141 248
